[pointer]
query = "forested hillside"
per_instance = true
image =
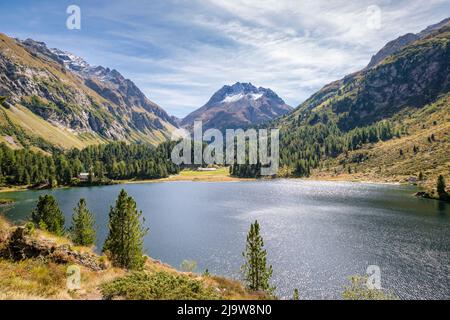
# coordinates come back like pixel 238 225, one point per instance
pixel 107 161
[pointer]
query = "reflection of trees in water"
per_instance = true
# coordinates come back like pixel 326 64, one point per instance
pixel 442 208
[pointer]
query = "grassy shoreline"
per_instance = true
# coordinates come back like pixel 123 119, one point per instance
pixel 219 175
pixel 222 175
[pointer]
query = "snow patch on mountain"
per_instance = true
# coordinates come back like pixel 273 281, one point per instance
pixel 239 96
pixel 71 61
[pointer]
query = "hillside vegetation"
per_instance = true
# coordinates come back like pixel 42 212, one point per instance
pixel 37 275
pixel 419 155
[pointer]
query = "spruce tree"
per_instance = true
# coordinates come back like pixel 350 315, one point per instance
pixel 48 216
pixel 82 230
pixel 124 243
pixel 296 295
pixel 256 272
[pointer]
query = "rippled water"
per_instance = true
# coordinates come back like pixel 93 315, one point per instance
pixel 317 233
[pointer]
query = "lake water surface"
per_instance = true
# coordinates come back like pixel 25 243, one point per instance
pixel 316 233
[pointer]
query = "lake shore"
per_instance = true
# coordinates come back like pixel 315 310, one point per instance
pixel 219 175
pixel 222 175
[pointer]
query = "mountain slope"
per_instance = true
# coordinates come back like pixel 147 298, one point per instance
pixel 389 122
pixel 411 78
pixel 418 155
pixel 238 106
pixel 396 45
pixel 87 104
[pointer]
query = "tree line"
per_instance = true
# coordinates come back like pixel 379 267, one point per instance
pixel 303 147
pixel 116 160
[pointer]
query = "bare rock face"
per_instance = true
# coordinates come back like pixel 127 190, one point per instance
pixel 20 246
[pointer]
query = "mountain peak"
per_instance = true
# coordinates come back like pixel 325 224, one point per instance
pixel 240 91
pixel 238 105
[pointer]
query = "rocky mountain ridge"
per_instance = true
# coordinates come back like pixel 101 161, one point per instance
pixel 71 95
pixel 238 106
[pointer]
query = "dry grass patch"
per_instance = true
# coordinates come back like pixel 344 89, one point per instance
pixel 32 278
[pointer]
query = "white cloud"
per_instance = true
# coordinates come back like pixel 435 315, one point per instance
pixel 294 47
pixel 180 52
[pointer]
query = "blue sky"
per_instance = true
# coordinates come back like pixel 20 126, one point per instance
pixel 180 52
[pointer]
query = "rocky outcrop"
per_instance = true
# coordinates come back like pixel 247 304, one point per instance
pixel 20 245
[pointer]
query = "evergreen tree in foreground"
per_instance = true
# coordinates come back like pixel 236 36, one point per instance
pixel 256 272
pixel 124 243
pixel 440 186
pixel 296 295
pixel 48 216
pixel 82 230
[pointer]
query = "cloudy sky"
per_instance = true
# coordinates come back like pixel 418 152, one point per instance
pixel 180 52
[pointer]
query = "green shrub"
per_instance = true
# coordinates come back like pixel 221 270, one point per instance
pixel 188 265
pixel 157 286
pixel 358 290
pixel 29 228
pixel 2 101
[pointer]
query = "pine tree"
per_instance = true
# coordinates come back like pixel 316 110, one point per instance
pixel 48 216
pixel 440 186
pixel 296 296
pixel 256 272
pixel 124 243
pixel 82 230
